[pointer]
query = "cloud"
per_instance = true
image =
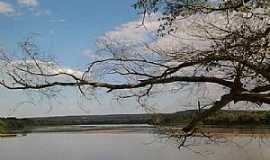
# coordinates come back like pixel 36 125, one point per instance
pixel 186 36
pixel 133 32
pixel 9 9
pixel 67 70
pixel 40 12
pixel 129 38
pixel 33 7
pixel 28 3
pixel 47 67
pixel 6 8
pixel 87 52
pixel 133 36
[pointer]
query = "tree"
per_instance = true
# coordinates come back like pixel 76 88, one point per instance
pixel 229 49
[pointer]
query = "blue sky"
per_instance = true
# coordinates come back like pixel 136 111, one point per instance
pixel 68 30
pixel 65 28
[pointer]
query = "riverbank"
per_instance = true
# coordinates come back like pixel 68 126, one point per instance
pixel 215 131
pixel 3 128
pixel 222 119
pixel 5 131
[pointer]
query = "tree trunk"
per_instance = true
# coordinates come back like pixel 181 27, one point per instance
pixel 225 99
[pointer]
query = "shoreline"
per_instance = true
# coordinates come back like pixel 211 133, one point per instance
pixel 122 129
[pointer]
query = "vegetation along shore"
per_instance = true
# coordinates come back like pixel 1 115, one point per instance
pixel 222 118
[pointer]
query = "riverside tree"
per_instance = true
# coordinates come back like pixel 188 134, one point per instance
pixel 222 43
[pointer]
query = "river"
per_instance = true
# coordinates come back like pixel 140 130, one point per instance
pixel 121 144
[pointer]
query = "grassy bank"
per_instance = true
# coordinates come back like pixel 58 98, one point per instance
pixel 3 128
pixel 239 118
pixel 223 118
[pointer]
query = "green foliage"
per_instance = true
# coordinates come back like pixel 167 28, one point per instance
pixel 3 127
pixel 239 118
pixel 10 125
pixel 227 118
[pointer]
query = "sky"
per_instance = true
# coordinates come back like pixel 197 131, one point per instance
pixel 67 30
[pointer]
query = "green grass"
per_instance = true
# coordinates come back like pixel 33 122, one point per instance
pixel 3 128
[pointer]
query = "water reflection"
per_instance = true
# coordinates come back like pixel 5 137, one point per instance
pixel 132 146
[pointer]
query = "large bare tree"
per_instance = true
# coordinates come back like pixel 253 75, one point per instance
pixel 227 47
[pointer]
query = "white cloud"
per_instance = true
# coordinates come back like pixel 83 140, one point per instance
pixel 133 35
pixel 129 38
pixel 87 52
pixel 133 32
pixel 6 8
pixel 186 35
pixel 28 3
pixel 47 67
pixel 68 71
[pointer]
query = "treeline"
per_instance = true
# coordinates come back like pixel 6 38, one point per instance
pixel 18 124
pixel 222 118
pixel 10 125
pixel 239 118
pixel 3 127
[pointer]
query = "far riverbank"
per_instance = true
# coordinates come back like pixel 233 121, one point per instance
pixel 222 119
